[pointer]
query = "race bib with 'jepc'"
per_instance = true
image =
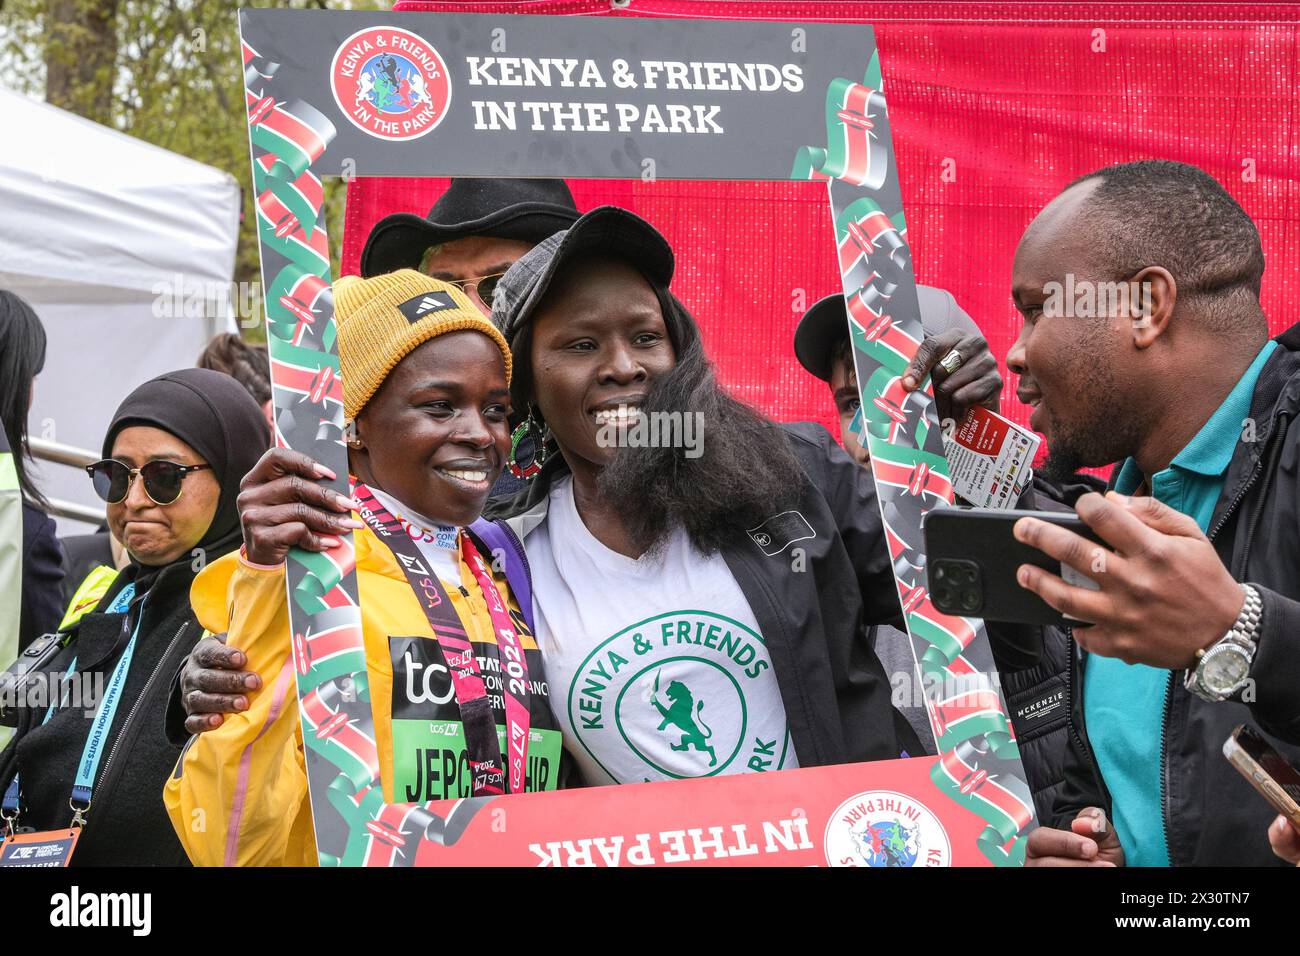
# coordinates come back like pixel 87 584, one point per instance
pixel 429 757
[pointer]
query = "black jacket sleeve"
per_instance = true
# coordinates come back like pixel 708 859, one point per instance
pixel 1079 788
pixel 851 495
pixel 1018 646
pixel 42 597
pixel 1274 699
pixel 174 714
pixel 1081 783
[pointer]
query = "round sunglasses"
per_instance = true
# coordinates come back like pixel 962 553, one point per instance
pixel 162 479
pixel 485 287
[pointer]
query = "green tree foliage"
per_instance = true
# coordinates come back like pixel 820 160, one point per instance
pixel 165 71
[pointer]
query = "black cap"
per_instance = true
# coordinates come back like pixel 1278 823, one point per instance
pixel 527 210
pixel 825 325
pixel 606 229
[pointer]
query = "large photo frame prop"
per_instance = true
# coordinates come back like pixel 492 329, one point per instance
pixel 509 95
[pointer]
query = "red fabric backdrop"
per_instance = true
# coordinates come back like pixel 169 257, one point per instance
pixel 1013 101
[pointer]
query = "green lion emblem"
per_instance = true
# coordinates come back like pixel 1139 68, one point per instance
pixel 683 713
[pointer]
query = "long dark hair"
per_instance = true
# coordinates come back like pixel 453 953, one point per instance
pixel 745 474
pixel 22 356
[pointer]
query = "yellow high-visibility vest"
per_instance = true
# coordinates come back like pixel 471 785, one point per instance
pixel 89 593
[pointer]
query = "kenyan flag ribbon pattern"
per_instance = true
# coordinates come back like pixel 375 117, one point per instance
pixel 353 824
pixel 979 766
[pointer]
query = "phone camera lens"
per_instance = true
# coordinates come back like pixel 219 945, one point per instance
pixel 942 597
pixel 970 600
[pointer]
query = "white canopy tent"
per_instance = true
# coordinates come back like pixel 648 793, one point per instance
pixel 126 252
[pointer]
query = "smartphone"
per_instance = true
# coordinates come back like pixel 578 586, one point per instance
pixel 972 557
pixel 1268 771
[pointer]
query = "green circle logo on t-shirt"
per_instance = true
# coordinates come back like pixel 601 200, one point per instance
pixel 682 694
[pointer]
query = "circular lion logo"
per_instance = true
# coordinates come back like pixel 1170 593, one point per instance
pixel 679 695
pixel 887 829
pixel 390 83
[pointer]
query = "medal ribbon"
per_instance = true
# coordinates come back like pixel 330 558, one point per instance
pixel 477 714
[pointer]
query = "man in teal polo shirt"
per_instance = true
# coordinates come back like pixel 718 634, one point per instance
pixel 1124 703
pixel 1193 604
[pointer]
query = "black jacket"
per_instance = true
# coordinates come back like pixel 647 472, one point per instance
pixel 1036 704
pixel 42 597
pixel 814 621
pixel 127 823
pixel 1212 816
pixel 1036 695
pixel 1039 709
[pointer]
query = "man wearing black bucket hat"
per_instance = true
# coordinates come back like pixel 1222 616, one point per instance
pixel 821 343
pixel 475 231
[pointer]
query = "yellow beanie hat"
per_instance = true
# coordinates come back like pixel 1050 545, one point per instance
pixel 382 319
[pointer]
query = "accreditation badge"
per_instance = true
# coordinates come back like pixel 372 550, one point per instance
pixel 47 848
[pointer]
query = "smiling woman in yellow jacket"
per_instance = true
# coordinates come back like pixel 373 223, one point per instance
pixel 429 398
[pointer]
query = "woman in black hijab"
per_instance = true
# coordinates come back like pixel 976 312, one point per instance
pixel 174 456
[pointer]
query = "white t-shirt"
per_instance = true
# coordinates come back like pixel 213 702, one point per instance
pixel 438 544
pixel 657 668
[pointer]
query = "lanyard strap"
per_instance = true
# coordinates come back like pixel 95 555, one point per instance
pixel 482 746
pixel 91 753
pixel 85 778
pixel 513 664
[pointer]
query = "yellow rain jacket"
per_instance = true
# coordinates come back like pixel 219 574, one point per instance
pixel 238 795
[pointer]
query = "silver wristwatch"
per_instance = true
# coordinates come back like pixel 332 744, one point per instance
pixel 1223 668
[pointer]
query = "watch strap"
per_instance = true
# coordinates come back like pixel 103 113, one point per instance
pixel 1243 633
